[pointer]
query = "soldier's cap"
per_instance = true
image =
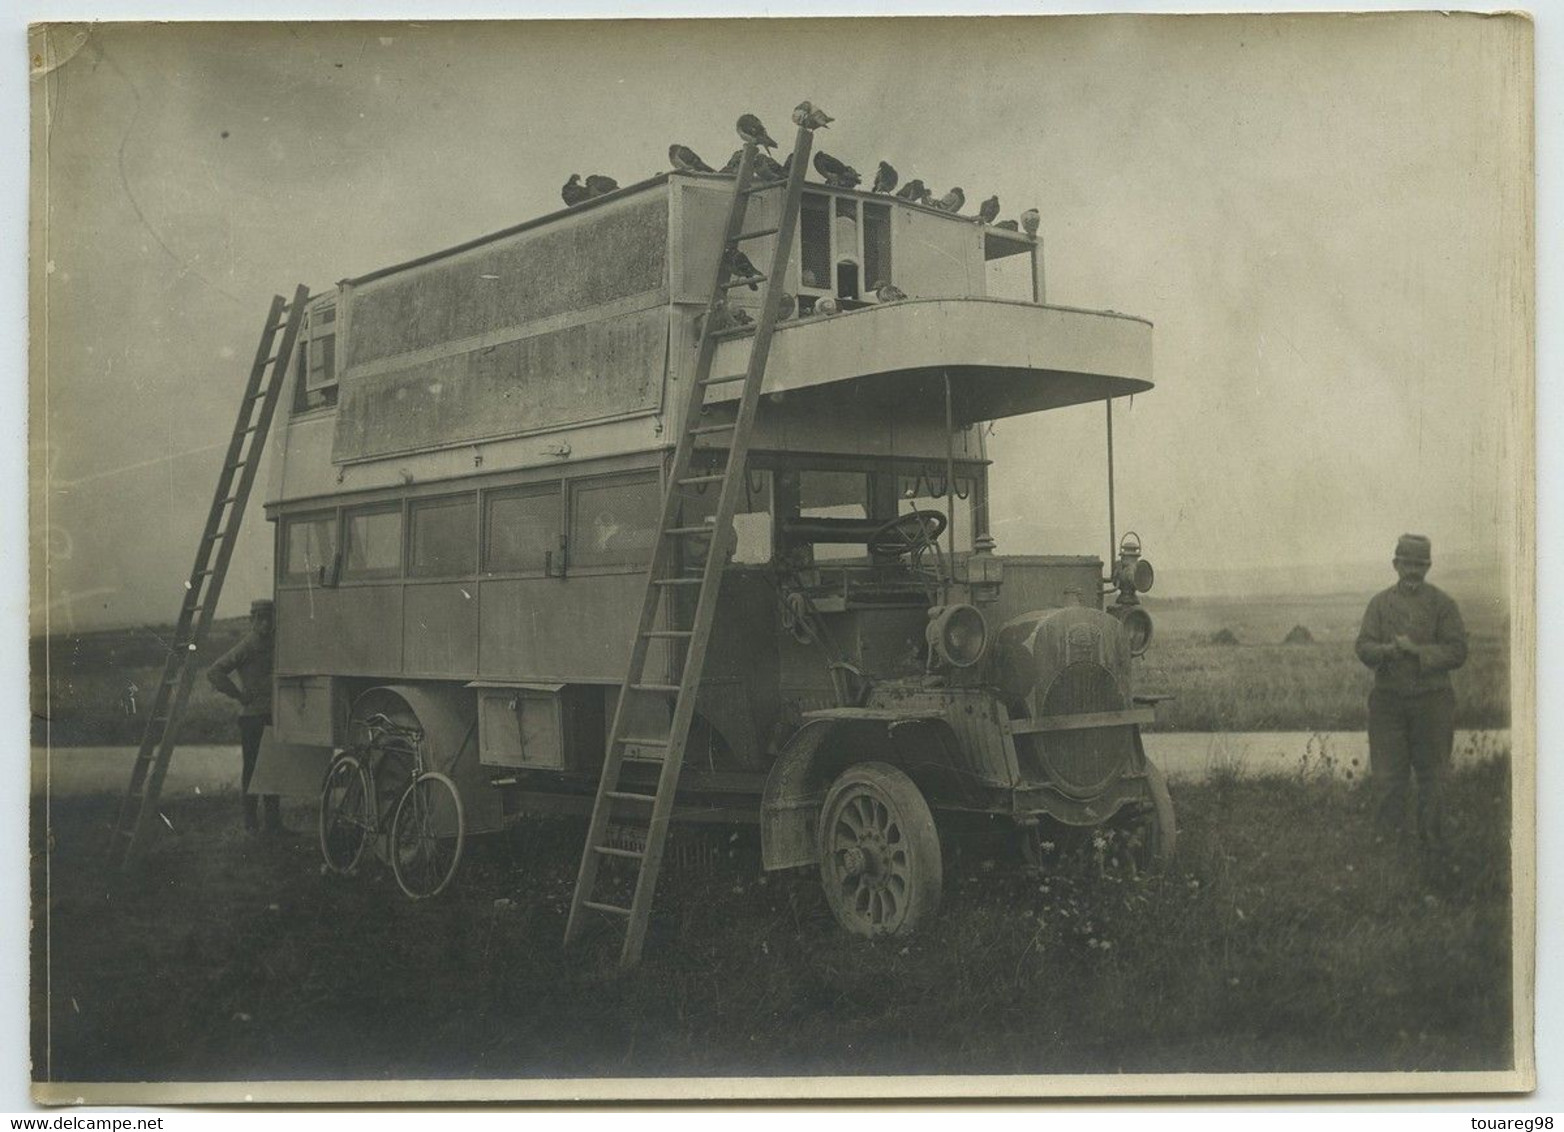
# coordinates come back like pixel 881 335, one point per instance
pixel 1415 548
pixel 262 605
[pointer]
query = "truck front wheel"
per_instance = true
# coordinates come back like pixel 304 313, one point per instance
pixel 880 859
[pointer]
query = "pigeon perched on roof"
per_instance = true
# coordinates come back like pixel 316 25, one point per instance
pixel 768 168
pixel 912 191
pixel 1030 220
pixel 807 115
pixel 733 162
pixel 1008 225
pixel 837 174
pixel 885 178
pixel 888 293
pixel 988 211
pixel 686 160
pixel 599 185
pixel 740 267
pixel 953 200
pixel 927 200
pixel 573 191
pixel 826 305
pixel 751 130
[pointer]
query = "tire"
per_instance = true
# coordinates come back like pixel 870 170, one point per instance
pixel 880 860
pixel 1152 837
pixel 346 820
pixel 427 835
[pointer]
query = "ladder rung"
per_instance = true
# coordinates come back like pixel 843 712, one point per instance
pixel 762 187
pixel 744 281
pixel 708 429
pixel 629 796
pixel 252 428
pixel 610 851
pixel 756 234
pixel 258 396
pixel 724 379
pixel 677 581
pixel 227 499
pixel 269 360
pixel 612 909
pixel 687 480
pixel 679 531
pixel 669 634
pixel 642 741
pixel 667 689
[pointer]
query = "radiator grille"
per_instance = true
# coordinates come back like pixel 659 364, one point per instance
pixel 1083 762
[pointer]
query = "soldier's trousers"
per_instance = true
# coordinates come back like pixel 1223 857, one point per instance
pixel 1411 735
pixel 251 727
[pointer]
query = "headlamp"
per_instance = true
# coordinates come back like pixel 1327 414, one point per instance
pixel 957 635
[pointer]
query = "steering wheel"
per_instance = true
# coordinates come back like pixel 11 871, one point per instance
pixel 911 533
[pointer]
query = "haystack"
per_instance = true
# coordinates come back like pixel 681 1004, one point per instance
pixel 1298 635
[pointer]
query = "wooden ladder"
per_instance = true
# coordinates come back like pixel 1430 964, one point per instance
pixel 668 584
pixel 268 376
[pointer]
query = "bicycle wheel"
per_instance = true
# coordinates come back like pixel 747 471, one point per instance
pixel 346 814
pixel 426 835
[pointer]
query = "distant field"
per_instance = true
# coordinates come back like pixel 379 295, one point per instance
pixel 1255 684
pixel 228 957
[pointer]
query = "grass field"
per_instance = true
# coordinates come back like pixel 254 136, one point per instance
pixel 1282 939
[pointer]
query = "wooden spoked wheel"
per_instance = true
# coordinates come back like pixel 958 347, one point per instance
pixel 880 861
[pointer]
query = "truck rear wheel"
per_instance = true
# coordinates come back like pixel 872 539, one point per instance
pixel 880 861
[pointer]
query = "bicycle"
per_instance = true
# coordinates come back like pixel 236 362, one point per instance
pixel 427 828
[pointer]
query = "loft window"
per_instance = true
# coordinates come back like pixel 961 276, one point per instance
pixel 315 364
pixel 814 227
pixel 373 546
pixel 751 517
pixel 876 244
pixel 834 495
pixel 445 537
pixel 522 528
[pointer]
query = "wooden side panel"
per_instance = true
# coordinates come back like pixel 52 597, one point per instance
pixel 935 258
pixel 440 629
pixel 350 631
pixel 580 262
pixel 703 215
pixel 579 373
pixel 551 629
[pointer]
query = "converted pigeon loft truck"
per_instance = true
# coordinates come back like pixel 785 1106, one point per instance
pixel 470 486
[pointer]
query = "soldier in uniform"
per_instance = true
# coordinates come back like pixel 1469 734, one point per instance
pixel 251 659
pixel 1412 637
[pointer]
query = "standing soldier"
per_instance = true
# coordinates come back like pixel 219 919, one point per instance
pixel 1412 637
pixel 251 658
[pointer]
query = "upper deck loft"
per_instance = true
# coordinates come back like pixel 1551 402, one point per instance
pixel 581 322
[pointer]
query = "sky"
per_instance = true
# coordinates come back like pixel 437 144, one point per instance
pixel 1323 216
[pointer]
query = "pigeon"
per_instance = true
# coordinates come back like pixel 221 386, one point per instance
pixel 716 320
pixel 885 178
pixel 787 307
pixel 733 162
pixel 599 185
pixel 767 168
pixel 805 114
pixel 889 293
pixel 740 267
pixel 741 317
pixel 988 211
pixel 1008 225
pixel 837 174
pixel 953 200
pixel 686 160
pixel 826 305
pixel 1030 220
pixel 913 191
pixel 751 130
pixel 927 200
pixel 573 191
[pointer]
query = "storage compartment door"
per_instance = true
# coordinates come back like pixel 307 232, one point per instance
pixel 521 727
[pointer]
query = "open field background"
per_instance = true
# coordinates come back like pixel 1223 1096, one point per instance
pixel 1255 682
pixel 227 957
